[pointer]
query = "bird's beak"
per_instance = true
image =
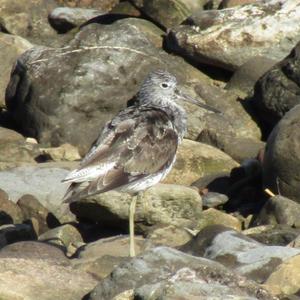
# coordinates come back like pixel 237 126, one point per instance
pixel 188 98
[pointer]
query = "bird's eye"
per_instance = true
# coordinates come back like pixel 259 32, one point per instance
pixel 164 85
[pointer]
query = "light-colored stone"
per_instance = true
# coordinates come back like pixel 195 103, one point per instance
pixel 195 160
pixel 267 28
pixel 64 152
pixel 213 216
pixel 286 278
pixel 39 271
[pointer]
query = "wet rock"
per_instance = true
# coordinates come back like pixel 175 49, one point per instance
pixel 279 210
pixel 167 13
pixel 101 257
pixel 245 77
pixel 280 235
pixel 9 212
pixel 160 204
pixel 63 19
pixel 11 233
pixel 281 165
pixel 258 29
pixel 285 280
pixel 12 46
pixel 66 236
pixel 98 52
pixel 41 272
pixel 29 20
pixel 212 199
pixel 32 208
pixel 182 277
pixel 195 160
pixel 239 252
pixel 278 90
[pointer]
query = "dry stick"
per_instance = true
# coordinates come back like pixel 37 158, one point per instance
pixel 94 48
pixel 269 192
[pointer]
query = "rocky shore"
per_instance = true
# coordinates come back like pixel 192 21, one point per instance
pixel 224 224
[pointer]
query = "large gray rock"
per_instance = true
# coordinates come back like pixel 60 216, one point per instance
pixel 165 273
pixel 94 78
pixel 266 28
pixel 238 252
pixel 281 165
pixel 32 270
pixel 278 90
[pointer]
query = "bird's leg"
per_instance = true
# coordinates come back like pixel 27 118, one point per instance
pixel 131 226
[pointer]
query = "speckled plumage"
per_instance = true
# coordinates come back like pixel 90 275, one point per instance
pixel 137 148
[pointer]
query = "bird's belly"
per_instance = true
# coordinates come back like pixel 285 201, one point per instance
pixel 147 181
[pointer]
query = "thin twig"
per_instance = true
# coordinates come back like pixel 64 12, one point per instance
pixel 95 48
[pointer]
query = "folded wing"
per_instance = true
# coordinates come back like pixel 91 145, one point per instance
pixel 136 143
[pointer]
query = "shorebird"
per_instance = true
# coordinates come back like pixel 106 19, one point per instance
pixel 137 148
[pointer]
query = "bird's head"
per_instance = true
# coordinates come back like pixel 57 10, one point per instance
pixel 160 87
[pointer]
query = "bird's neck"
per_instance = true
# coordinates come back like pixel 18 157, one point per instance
pixel 176 114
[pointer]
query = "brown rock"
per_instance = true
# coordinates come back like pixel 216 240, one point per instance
pixel 9 211
pixel 32 208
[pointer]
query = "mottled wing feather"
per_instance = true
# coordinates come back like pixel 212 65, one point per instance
pixel 140 141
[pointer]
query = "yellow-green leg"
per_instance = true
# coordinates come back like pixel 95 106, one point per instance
pixel 131 226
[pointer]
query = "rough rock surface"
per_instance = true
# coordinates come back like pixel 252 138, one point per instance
pixel 10 213
pixel 41 272
pixel 168 13
pixel 194 160
pixel 279 210
pixel 285 280
pixel 101 257
pixel 245 77
pixel 11 47
pixel 181 277
pixel 278 90
pixel 160 204
pixel 244 31
pixel 63 19
pixel 281 165
pixel 98 52
pixel 238 252
pixel 28 19
pixel 106 5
